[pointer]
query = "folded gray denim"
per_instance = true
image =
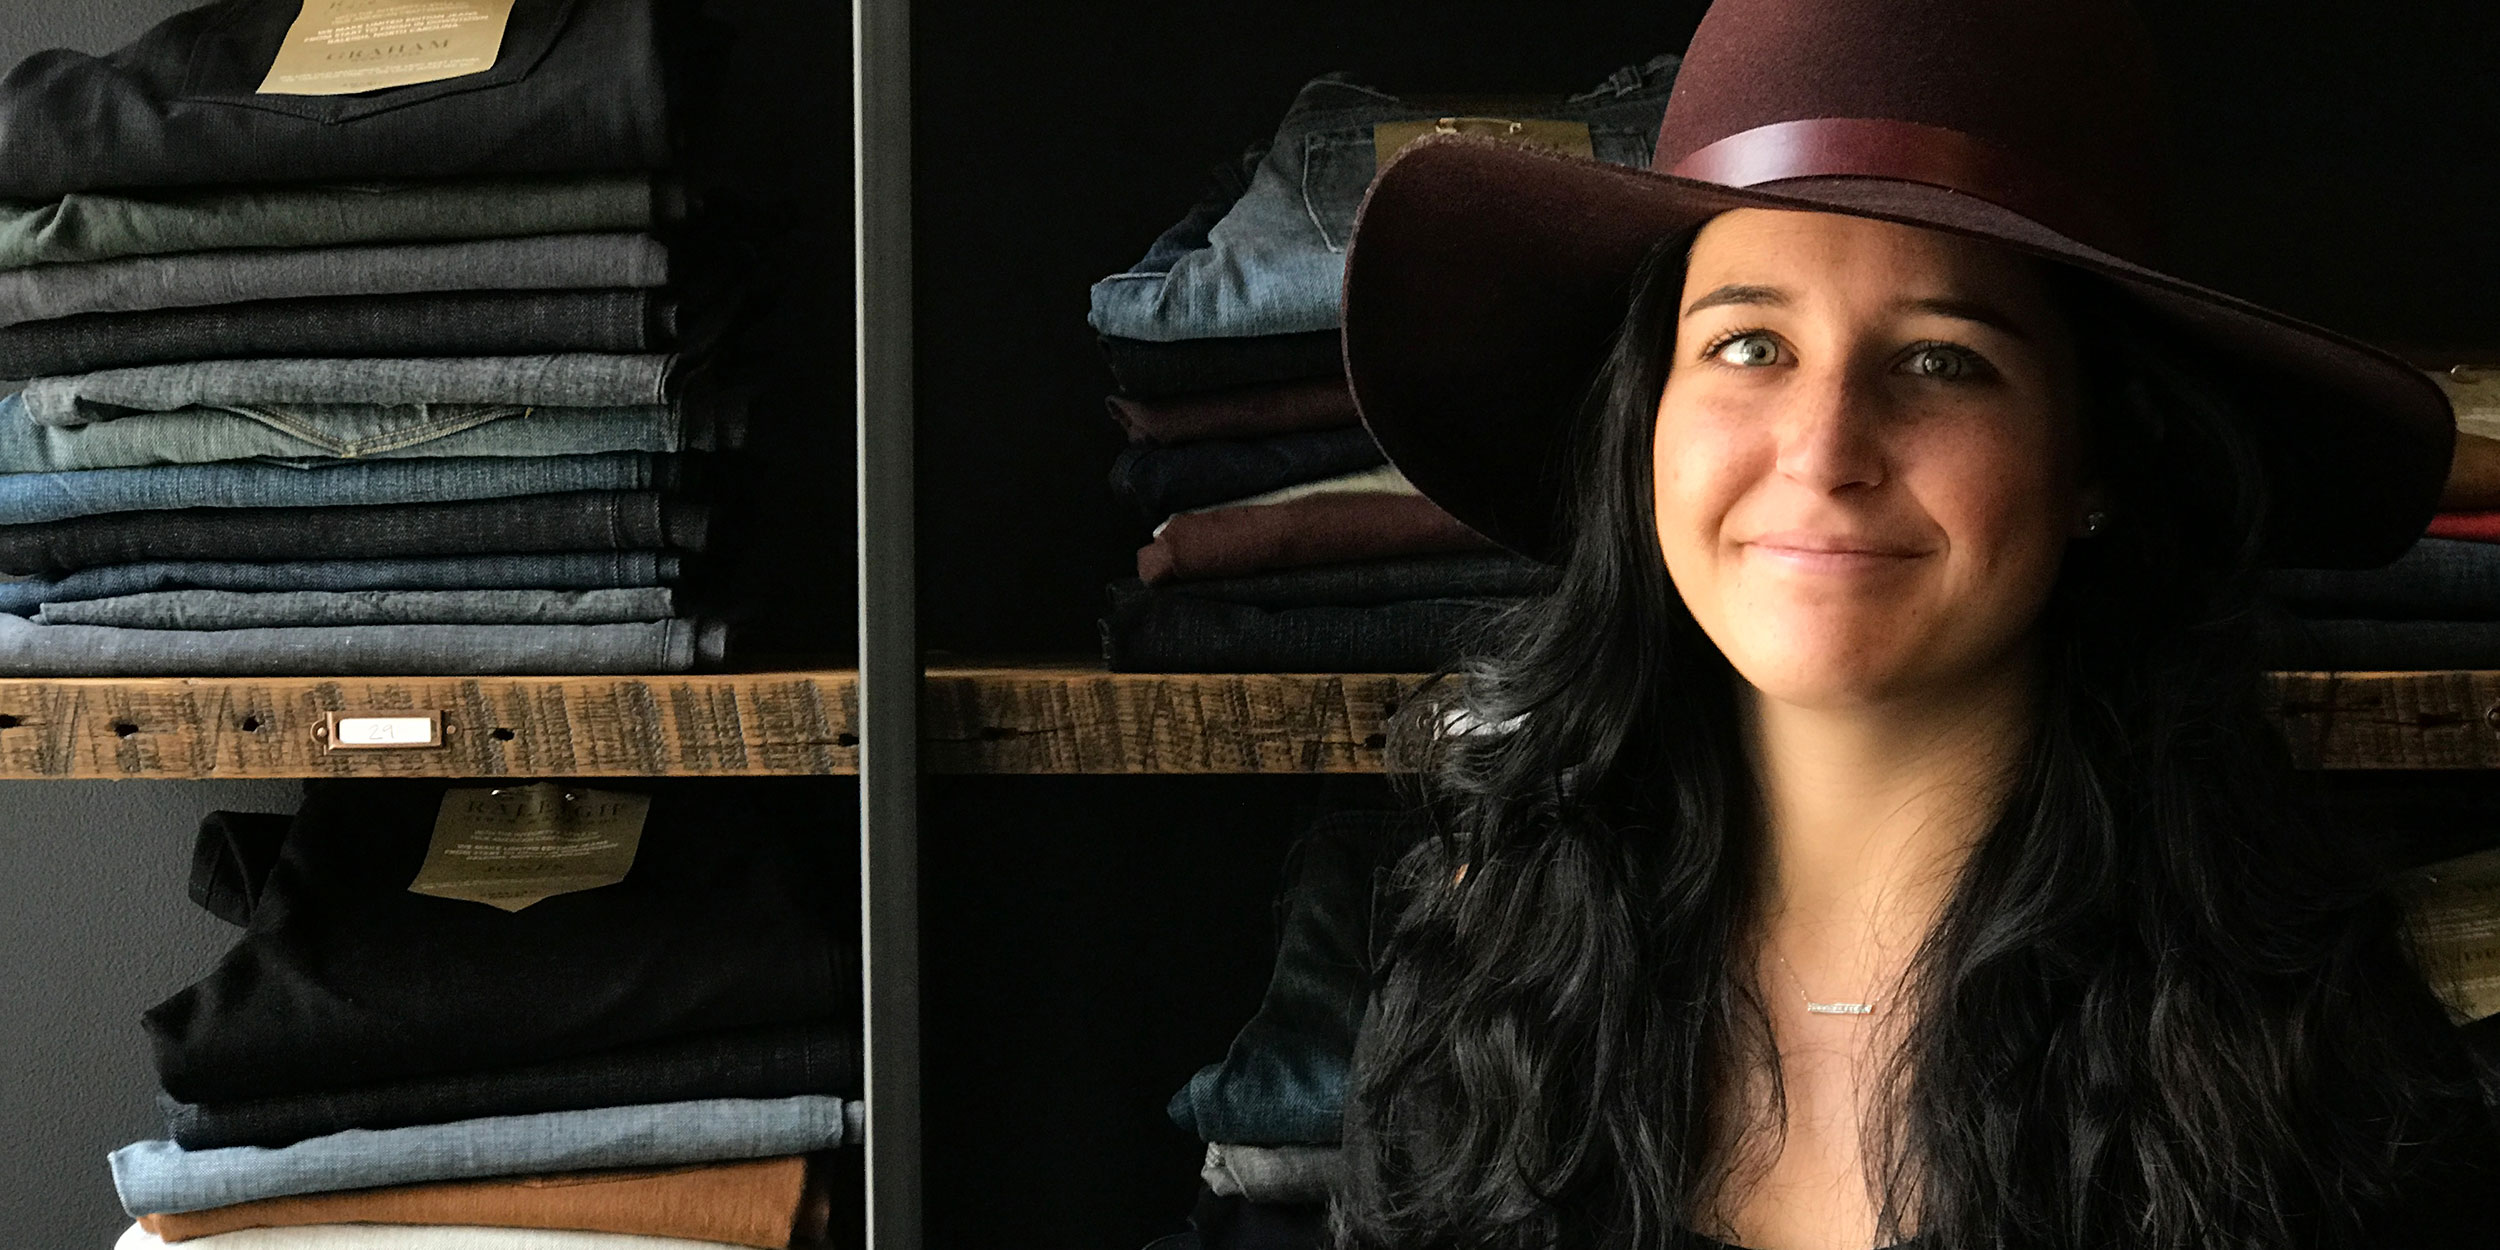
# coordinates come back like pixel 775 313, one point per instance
pixel 308 432
pixel 553 262
pixel 566 380
pixel 289 609
pixel 101 225
pixel 1275 263
pixel 557 570
pixel 159 1176
pixel 1290 1174
pixel 574 521
pixel 28 498
pixel 31 650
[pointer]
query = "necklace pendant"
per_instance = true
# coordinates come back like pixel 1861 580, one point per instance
pixel 1840 1009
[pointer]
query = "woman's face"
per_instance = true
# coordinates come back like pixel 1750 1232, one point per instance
pixel 1867 454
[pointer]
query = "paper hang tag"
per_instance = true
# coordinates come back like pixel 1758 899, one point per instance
pixel 2456 925
pixel 511 847
pixel 1568 138
pixel 339 47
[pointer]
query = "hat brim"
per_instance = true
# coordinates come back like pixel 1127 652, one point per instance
pixel 1485 281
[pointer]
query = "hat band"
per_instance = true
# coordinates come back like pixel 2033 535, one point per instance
pixel 1866 147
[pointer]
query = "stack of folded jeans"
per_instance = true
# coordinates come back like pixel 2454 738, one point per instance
pixel 672 1054
pixel 1271 1113
pixel 2437 606
pixel 424 415
pixel 1282 542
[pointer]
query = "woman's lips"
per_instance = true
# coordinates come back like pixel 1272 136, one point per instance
pixel 1835 553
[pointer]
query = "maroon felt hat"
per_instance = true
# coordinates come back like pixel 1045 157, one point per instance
pixel 1484 280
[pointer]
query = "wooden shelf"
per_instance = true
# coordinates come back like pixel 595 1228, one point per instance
pixel 1029 718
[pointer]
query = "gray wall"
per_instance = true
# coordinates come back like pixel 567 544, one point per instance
pixel 94 925
pixel 95 928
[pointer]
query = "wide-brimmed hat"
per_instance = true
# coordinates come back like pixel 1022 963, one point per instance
pixel 1485 280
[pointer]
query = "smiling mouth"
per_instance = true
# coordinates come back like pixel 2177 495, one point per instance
pixel 1815 551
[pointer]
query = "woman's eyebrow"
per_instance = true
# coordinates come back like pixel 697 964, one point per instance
pixel 1734 293
pixel 1966 310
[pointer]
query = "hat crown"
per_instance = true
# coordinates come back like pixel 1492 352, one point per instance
pixel 2048 107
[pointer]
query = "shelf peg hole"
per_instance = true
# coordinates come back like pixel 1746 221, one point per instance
pixel 125 729
pixel 846 740
pixel 501 734
pixel 249 724
pixel 9 722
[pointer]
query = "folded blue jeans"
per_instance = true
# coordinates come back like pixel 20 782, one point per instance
pixel 310 433
pixel 1283 1081
pixel 159 1176
pixel 102 225
pixel 560 570
pixel 27 498
pixel 2438 579
pixel 1275 263
pixel 553 262
pixel 677 646
pixel 563 380
pixel 301 609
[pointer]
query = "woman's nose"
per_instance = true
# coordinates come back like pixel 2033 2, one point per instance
pixel 1829 431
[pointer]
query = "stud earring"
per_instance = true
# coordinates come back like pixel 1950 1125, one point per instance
pixel 2094 522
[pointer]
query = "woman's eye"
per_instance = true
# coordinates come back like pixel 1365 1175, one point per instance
pixel 1751 351
pixel 1944 363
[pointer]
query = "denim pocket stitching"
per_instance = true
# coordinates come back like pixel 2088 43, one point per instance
pixel 403 437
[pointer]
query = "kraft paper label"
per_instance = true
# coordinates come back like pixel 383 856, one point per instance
pixel 513 846
pixel 2456 919
pixel 337 47
pixel 1568 138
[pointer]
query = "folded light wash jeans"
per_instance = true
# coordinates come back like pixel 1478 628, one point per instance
pixel 101 225
pixel 560 570
pixel 159 1176
pixel 300 609
pixel 27 498
pixel 565 380
pixel 31 650
pixel 1275 263
pixel 307 433
pixel 552 262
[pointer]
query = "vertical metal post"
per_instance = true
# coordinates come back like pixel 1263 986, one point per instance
pixel 889 659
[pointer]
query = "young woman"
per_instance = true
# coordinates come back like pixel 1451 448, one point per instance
pixel 1878 836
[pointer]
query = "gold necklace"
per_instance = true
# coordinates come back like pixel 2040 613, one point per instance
pixel 1822 1009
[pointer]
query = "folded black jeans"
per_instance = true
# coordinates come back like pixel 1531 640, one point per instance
pixel 1152 630
pixel 735 915
pixel 1146 368
pixel 776 1061
pixel 1165 480
pixel 451 323
pixel 574 521
pixel 1357 583
pixel 577 87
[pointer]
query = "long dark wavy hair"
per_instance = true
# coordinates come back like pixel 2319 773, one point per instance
pixel 2163 1007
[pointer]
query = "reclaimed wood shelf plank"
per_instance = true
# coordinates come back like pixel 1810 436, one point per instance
pixel 1014 718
